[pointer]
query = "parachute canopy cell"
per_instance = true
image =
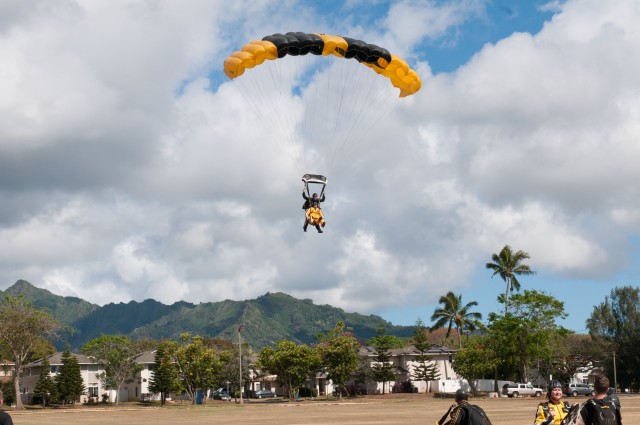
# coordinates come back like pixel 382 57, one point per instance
pixel 277 46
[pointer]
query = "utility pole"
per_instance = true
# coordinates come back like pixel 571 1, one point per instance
pixel 615 372
pixel 240 360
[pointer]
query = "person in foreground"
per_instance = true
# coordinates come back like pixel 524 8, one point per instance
pixel 600 410
pixel 554 410
pixel 464 413
pixel 5 419
pixel 614 397
pixel 315 217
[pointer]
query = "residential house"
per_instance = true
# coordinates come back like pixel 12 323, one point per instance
pixel 139 389
pixel 7 369
pixel 404 360
pixel 89 369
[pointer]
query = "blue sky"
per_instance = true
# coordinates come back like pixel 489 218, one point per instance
pixel 131 168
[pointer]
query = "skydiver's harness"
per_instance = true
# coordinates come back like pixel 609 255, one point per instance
pixel 605 414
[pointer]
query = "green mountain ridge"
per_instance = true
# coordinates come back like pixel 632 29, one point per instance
pixel 266 319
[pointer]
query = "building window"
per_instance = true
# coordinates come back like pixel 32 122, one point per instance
pixel 93 368
pixel 92 390
pixel 54 369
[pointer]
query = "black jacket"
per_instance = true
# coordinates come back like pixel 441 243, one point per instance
pixel 593 408
pixel 5 419
pixel 308 199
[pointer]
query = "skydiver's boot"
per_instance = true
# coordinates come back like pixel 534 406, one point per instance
pixel 306 223
pixel 318 227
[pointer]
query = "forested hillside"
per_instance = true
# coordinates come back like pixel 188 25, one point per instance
pixel 267 319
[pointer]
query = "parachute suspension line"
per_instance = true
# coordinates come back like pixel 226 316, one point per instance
pixel 335 82
pixel 362 105
pixel 312 117
pixel 343 114
pixel 264 92
pixel 294 95
pixel 284 110
pixel 381 100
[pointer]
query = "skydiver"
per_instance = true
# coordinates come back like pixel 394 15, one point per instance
pixel 308 200
pixel 307 203
pixel 315 217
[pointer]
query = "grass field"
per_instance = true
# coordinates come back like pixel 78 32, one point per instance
pixel 369 410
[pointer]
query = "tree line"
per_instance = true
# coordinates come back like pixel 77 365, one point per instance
pixel 507 346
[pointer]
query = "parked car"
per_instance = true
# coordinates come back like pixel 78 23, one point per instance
pixel 221 394
pixel 517 390
pixel 578 389
pixel 265 394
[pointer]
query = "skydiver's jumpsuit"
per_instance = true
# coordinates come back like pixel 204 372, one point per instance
pixel 542 414
pixel 315 217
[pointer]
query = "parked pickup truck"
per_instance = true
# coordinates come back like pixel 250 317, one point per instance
pixel 519 390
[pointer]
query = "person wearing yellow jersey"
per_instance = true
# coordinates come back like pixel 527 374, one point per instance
pixel 554 410
pixel 315 217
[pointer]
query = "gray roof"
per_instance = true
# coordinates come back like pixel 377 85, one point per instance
pixel 56 360
pixel 146 357
pixel 409 351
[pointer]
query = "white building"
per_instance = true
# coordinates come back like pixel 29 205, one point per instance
pixel 88 370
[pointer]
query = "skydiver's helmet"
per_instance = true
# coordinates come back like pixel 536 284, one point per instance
pixel 461 395
pixel 554 384
pixel 315 196
pixel 314 203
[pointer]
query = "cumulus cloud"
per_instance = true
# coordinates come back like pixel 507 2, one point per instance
pixel 129 169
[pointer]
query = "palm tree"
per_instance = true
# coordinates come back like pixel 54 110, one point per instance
pixel 453 313
pixel 508 265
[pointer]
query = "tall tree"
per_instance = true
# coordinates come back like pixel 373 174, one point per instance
pixel 453 313
pixel 165 375
pixel 383 370
pixel 45 390
pixel 569 354
pixel 339 354
pixel 508 265
pixel 69 381
pixel 614 326
pixel 199 366
pixel 118 356
pixel 292 364
pixel 476 360
pixel 528 333
pixel 22 329
pixel 426 370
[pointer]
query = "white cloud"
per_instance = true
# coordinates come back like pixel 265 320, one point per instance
pixel 127 171
pixel 412 21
